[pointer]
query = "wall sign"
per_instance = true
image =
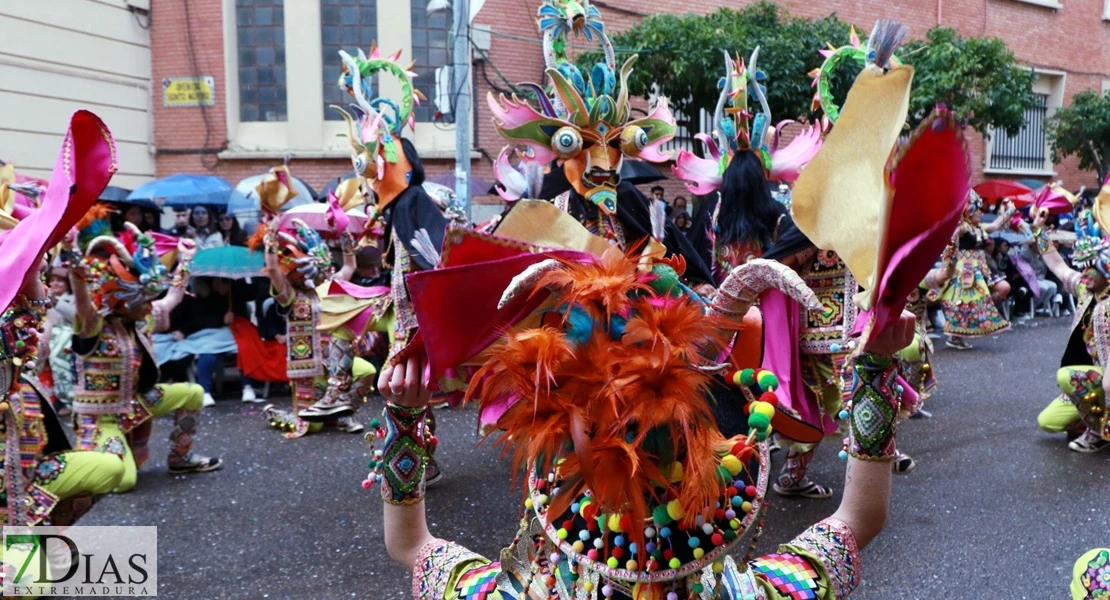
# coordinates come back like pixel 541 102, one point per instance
pixel 188 91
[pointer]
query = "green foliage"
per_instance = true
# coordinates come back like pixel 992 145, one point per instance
pixel 684 54
pixel 976 77
pixel 1083 130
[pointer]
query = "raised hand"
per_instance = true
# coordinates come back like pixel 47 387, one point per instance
pixel 896 336
pixel 406 384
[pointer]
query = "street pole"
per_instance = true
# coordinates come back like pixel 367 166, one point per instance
pixel 460 85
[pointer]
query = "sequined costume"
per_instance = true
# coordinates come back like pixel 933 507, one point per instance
pixel 43 481
pixel 115 395
pixel 823 346
pixel 822 563
pixel 969 310
pixel 1085 358
pixel 320 370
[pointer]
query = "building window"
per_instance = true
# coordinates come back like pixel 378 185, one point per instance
pixel 260 26
pixel 1025 149
pixel 348 25
pixel 1055 4
pixel 430 38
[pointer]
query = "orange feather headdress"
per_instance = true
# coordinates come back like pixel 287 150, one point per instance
pixel 609 413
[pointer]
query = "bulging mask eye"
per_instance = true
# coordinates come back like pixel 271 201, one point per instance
pixel 566 142
pixel 361 161
pixel 633 140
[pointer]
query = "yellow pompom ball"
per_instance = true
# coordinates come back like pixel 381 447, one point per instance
pixel 764 408
pixel 614 523
pixel 631 565
pixel 718 567
pixel 528 503
pixel 582 508
pixel 674 510
pixel 698 553
pixel 676 474
pixel 588 586
pixel 733 464
pixel 746 507
pixel 578 546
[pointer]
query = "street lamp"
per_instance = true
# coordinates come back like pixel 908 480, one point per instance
pixel 460 88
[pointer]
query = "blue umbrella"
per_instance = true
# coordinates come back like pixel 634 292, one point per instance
pixel 185 191
pixel 118 195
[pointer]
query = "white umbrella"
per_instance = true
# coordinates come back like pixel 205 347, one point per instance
pixel 247 206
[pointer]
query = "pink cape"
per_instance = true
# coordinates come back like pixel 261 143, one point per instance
pixel 91 151
pixel 781 328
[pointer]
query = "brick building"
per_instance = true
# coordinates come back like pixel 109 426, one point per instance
pixel 273 79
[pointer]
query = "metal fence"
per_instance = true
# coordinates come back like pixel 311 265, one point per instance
pixel 684 137
pixel 1026 149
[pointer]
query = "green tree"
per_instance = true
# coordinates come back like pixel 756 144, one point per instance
pixel 684 55
pixel 977 78
pixel 1083 130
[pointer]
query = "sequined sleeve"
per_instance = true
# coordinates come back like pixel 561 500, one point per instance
pixel 1073 283
pixel 447 571
pixel 823 563
pixel 160 317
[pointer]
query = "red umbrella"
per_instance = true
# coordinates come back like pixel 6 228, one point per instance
pixel 1024 199
pixel 1000 188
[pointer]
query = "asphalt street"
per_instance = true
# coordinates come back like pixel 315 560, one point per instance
pixel 995 508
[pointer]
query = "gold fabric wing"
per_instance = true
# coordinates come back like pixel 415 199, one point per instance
pixel 842 198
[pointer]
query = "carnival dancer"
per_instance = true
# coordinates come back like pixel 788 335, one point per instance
pixel 44 481
pixel 649 505
pixel 969 298
pixel 1081 405
pixel 739 217
pixel 632 491
pixel 116 284
pixel 834 210
pixel 743 220
pixel 391 167
pixel 405 221
pixel 295 261
pixel 585 131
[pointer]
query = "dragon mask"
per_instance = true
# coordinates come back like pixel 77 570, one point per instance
pixel 585 123
pixel 737 129
pixel 374 129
